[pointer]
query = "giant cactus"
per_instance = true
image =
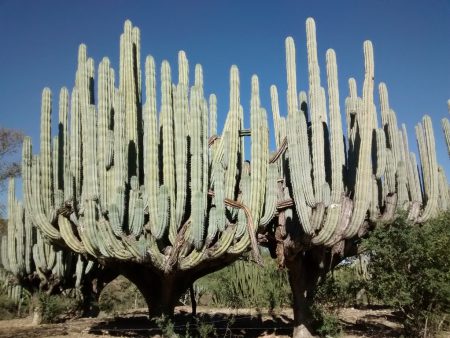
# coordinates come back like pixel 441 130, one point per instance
pixel 338 196
pixel 150 193
pixel 163 200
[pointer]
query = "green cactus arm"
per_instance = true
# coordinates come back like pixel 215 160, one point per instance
pixel 64 148
pixel 68 235
pixel 446 127
pixel 380 153
pixel 166 125
pixel 39 217
pixel 427 150
pixel 75 143
pixel 336 142
pixel 363 185
pixel 270 205
pixel 259 152
pixel 46 152
pixel 104 146
pixel 444 196
pixel 317 116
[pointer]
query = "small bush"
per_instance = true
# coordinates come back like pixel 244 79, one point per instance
pixel 56 308
pixel 243 284
pixel 8 308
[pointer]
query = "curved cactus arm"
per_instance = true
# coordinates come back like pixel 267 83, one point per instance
pixel 363 184
pixel 69 236
pixel 427 149
pixel 270 205
pixel 39 218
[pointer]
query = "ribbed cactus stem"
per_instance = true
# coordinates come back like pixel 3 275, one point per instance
pixel 212 115
pixel 63 139
pixel 167 128
pixel 75 143
pixel 46 152
pixel 446 127
pixel 275 114
pixel 233 134
pixel 103 131
pixel 336 142
pixel 363 184
pixel 427 149
pixel 259 151
pixel 317 136
pixel 129 90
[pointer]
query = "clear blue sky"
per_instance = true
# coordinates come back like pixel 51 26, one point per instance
pixel 39 41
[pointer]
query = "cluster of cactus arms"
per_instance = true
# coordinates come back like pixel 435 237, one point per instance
pixel 334 188
pixel 31 264
pixel 162 197
pixel 127 184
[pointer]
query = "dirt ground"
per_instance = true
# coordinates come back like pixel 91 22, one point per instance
pixel 227 323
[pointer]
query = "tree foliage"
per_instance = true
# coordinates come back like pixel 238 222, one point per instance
pixel 410 271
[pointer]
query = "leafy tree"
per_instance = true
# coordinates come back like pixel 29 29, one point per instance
pixel 410 271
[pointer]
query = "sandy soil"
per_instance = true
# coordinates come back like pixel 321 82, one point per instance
pixel 227 322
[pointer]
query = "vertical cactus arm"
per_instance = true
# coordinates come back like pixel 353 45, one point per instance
pixel 390 171
pixel 75 143
pixel 429 170
pixel 136 39
pixel 12 245
pixel 384 103
pixel 392 136
pixel 259 152
pixel 444 196
pixel 317 136
pixel 63 139
pixel 130 93
pixel 212 115
pixel 336 140
pixel 46 152
pixel 402 190
pixel 363 184
pixel 380 153
pixel 291 70
pixel 196 161
pixel 181 111
pixel 446 127
pixel 103 131
pixel 155 194
pixel 89 137
pixel 28 243
pixel 233 136
pixel 4 253
pixel 418 191
pixel 58 193
pixel 167 127
pixel 198 79
pixel 275 114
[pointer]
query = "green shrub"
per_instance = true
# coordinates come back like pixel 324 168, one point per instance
pixel 243 284
pixel 410 271
pixel 56 308
pixel 120 295
pixel 8 308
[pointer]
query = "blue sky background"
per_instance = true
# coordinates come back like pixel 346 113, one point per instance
pixel 39 41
